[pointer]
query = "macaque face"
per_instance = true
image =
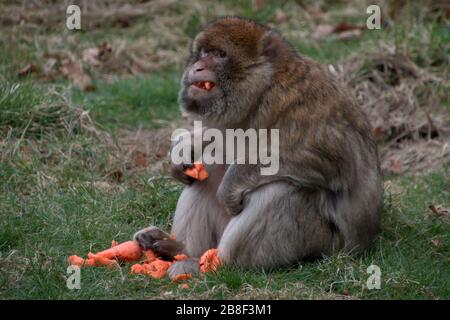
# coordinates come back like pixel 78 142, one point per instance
pixel 226 73
pixel 204 81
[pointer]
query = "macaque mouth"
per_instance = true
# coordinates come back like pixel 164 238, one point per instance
pixel 205 85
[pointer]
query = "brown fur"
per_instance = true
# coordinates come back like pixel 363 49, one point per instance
pixel 327 195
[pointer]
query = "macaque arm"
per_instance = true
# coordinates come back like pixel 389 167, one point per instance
pixel 240 180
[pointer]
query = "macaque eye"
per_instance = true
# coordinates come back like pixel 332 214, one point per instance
pixel 217 53
pixel 220 53
pixel 203 53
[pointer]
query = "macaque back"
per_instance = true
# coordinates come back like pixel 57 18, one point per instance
pixel 327 194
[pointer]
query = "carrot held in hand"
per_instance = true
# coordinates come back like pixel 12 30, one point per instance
pixel 197 172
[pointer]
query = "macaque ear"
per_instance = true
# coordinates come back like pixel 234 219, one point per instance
pixel 271 44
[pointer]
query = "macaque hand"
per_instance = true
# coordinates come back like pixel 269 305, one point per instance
pixel 178 172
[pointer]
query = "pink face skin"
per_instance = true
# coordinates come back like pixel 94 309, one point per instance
pixel 201 77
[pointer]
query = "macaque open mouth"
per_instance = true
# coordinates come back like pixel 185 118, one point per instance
pixel 205 85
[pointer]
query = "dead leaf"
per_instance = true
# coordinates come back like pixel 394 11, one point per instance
pixel 75 73
pixel 323 30
pixel 91 57
pixel 315 11
pixel 439 211
pixel 96 56
pixel 137 69
pixel 258 4
pixel 344 27
pixel 341 31
pixel 121 22
pixel 118 175
pixel 437 243
pixel 395 166
pixel 50 66
pixel 140 160
pixel 103 186
pixel 29 68
pixel 378 133
pixel 346 292
pixel 280 16
pixel 348 34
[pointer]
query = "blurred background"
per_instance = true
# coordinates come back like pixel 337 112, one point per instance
pixel 128 57
pixel 86 117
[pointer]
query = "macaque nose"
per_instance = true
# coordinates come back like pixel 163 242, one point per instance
pixel 196 71
pixel 200 72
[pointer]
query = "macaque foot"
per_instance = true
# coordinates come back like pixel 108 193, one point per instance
pixel 187 266
pixel 160 242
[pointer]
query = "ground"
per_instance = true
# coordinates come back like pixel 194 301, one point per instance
pixel 86 116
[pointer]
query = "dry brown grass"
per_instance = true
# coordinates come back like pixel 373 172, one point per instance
pixel 400 99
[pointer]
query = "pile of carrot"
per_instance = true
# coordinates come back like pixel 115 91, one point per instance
pixel 151 265
pixel 127 251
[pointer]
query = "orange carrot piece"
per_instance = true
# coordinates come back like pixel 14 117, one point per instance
pixel 127 251
pixel 150 256
pixel 99 260
pixel 89 262
pixel 76 261
pixel 180 257
pixel 184 286
pixel 208 85
pixel 80 262
pixel 182 277
pixel 156 269
pixel 197 172
pixel 202 175
pixel 210 261
pixel 137 268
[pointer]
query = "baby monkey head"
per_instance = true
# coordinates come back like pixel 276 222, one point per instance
pixel 229 68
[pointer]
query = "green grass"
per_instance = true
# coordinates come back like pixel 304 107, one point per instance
pixel 136 102
pixel 42 229
pixel 58 194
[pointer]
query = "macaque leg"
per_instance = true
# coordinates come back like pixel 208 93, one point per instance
pixel 199 218
pixel 199 221
pixel 277 227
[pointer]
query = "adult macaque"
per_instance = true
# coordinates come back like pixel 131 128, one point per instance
pixel 327 195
